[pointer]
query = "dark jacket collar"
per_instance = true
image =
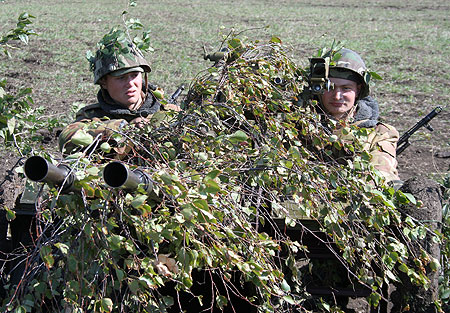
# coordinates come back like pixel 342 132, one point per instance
pixel 150 106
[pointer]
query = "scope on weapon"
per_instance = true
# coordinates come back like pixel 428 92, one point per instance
pixel 118 175
pixel 39 169
pixel 319 70
pixel 216 56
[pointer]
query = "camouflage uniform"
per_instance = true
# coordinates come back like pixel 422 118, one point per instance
pixel 381 140
pixel 107 116
pixel 104 117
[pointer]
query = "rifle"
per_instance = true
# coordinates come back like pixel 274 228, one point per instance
pixel 176 94
pixel 403 142
pixel 38 169
pixel 118 175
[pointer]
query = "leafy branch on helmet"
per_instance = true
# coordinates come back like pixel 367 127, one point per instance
pixel 116 43
pixel 240 156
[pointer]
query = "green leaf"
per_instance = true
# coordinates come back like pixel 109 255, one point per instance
pixel 235 43
pixel 46 255
pixel 21 309
pixel 221 301
pixel 11 125
pixel 201 204
pixel 411 198
pixel 166 178
pixel 138 201
pixel 285 286
pixel 115 241
pixel 106 305
pixel 402 267
pixel 188 213
pixel 275 39
pixel 134 286
pixel 213 174
pixel 212 187
pixel 446 294
pixel 237 137
pixel 105 147
pixel 374 299
pixel 62 247
pixel 93 171
pixel 289 299
pixel 120 274
pixel 10 214
pixel 81 138
pixel 72 263
pixel 434 264
pixel 375 76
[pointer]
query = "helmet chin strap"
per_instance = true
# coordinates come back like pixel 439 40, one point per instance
pixel 145 86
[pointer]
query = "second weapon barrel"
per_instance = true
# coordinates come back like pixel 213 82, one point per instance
pixel 117 175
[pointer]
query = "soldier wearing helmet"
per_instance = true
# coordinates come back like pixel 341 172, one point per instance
pixel 125 97
pixel 348 101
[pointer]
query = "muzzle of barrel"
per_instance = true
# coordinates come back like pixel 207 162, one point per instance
pixel 39 169
pixel 118 175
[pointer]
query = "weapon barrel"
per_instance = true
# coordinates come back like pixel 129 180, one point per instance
pixel 39 169
pixel 176 94
pixel 419 124
pixel 403 143
pixel 118 175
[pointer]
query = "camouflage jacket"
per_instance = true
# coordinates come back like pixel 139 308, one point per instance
pixel 104 117
pixel 381 140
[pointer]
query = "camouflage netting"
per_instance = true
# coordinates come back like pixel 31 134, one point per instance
pixel 242 159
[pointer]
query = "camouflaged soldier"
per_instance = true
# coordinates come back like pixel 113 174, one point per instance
pixel 125 97
pixel 349 100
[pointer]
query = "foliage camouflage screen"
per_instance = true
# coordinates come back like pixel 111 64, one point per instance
pixel 220 171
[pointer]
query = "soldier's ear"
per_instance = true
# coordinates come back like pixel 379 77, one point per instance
pixel 102 82
pixel 358 90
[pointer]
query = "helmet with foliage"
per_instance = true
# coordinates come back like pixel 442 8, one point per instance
pixel 351 66
pixel 118 60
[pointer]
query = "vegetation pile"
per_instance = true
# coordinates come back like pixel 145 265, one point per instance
pixel 244 154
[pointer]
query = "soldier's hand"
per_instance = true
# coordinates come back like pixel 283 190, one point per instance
pixel 140 122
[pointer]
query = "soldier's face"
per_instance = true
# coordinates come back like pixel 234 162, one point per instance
pixel 125 89
pixel 339 101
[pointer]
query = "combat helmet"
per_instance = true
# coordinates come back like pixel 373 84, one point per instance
pixel 111 59
pixel 351 66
